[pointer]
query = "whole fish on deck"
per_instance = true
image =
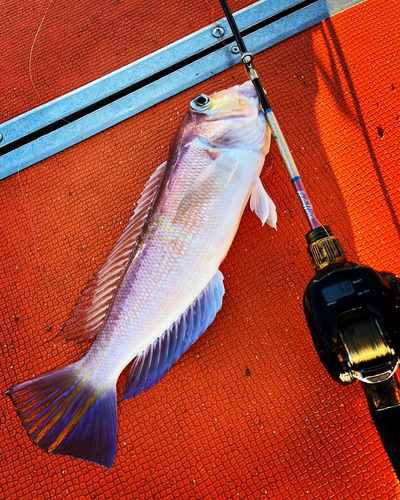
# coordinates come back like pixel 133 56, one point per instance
pixel 160 288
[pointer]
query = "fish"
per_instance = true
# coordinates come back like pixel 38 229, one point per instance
pixel 161 287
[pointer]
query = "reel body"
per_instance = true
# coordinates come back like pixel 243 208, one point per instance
pixel 353 314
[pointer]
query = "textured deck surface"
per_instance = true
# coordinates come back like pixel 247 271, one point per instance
pixel 248 411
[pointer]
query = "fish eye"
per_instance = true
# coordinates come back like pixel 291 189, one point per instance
pixel 200 103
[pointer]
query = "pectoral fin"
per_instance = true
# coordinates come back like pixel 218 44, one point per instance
pixel 262 204
pixel 212 181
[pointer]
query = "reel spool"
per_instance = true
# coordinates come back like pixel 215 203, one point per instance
pixel 361 345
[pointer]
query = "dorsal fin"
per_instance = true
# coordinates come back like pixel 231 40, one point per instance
pixel 153 363
pixel 91 309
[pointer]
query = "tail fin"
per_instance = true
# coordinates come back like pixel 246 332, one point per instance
pixel 65 415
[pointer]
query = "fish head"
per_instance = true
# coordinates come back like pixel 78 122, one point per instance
pixel 230 118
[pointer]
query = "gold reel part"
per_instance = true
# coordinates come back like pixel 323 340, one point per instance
pixel 325 252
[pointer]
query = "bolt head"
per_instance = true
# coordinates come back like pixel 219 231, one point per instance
pixel 218 32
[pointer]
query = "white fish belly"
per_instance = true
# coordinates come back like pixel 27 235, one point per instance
pixel 184 246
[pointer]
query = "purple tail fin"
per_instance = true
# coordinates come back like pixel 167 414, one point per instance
pixel 67 416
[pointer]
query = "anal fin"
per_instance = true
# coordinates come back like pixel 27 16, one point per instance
pixel 152 364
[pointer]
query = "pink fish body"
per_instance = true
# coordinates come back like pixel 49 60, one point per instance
pixel 160 288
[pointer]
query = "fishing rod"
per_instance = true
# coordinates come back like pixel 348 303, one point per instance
pixel 352 311
pixel 247 61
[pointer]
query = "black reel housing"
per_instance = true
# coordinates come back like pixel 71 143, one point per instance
pixel 353 314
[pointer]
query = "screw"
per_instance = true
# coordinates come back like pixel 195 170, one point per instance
pixel 218 32
pixel 235 49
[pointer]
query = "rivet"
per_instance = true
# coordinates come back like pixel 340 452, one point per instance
pixel 235 49
pixel 1 137
pixel 218 32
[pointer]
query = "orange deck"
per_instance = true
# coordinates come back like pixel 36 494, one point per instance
pixel 249 411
